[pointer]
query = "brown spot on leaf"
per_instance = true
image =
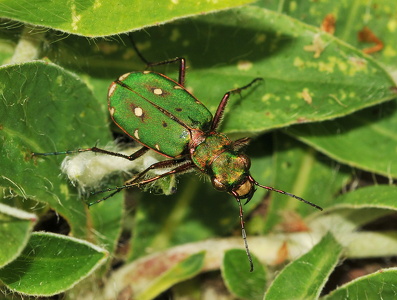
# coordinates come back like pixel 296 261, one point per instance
pixel 367 36
pixel 328 24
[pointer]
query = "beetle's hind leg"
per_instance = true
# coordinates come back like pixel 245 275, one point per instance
pixel 180 60
pixel 95 149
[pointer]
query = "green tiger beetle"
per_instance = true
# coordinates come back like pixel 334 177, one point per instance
pixel 162 115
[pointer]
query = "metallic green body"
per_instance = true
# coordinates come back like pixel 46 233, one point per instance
pixel 218 157
pixel 206 151
pixel 157 112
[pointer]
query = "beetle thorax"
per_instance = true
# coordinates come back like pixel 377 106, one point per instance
pixel 227 166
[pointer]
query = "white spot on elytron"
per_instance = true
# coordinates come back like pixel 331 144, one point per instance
pixel 136 134
pixel 157 147
pixel 122 77
pixel 112 88
pixel 138 111
pixel 111 110
pixel 158 91
pixel 146 72
pixel 244 65
pixel 178 87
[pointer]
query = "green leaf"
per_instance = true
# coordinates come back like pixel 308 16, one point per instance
pixel 138 276
pixel 297 87
pixel 15 228
pixel 107 218
pixel 376 196
pixel 38 114
pixel 51 264
pixel 378 285
pixel 353 210
pixel 305 277
pixel 351 18
pixel 101 18
pixel 184 270
pixel 47 114
pixel 243 284
pixel 360 133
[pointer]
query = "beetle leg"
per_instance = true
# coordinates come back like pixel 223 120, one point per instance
pixel 160 165
pixel 222 105
pixel 135 181
pixel 181 60
pixel 182 67
pixel 131 157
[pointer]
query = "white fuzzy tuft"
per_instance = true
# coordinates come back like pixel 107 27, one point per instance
pixel 87 170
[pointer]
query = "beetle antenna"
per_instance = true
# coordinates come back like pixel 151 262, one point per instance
pixel 105 198
pixel 116 188
pixel 269 188
pixel 114 191
pixel 243 233
pixel 133 44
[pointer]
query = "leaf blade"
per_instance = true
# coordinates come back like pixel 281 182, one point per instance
pixel 96 19
pixel 310 271
pixel 51 264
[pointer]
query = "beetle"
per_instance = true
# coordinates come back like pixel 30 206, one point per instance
pixel 161 114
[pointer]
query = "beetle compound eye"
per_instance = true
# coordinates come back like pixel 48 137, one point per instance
pixel 218 185
pixel 246 161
